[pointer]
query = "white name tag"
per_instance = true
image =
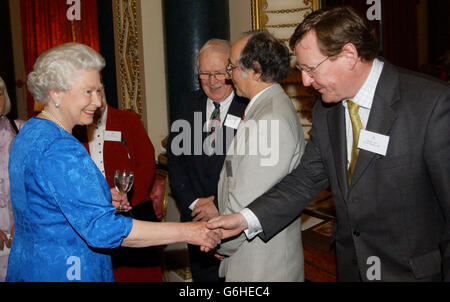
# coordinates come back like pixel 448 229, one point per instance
pixel 112 136
pixel 373 142
pixel 232 121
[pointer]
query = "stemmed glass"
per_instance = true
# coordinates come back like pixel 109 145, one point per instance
pixel 123 181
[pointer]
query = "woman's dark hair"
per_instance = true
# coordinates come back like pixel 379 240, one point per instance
pixel 336 27
pixel 266 55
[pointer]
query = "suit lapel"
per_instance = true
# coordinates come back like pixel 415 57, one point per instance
pixel 336 129
pixel 200 106
pixel 234 108
pixel 382 116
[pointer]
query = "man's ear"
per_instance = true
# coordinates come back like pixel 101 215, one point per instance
pixel 255 73
pixel 350 54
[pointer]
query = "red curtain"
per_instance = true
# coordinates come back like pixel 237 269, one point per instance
pixel 45 24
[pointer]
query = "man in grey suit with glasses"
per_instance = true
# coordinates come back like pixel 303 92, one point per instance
pixel 380 139
pixel 268 145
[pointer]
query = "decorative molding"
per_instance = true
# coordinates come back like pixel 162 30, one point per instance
pixel 283 25
pixel 259 18
pixel 129 55
pixel 287 11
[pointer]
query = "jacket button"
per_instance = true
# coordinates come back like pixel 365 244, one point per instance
pixel 356 233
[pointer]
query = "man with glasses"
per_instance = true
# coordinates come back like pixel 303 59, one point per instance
pixel 194 175
pixel 268 145
pixel 380 138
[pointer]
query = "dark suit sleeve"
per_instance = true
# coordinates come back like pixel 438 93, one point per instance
pixel 143 155
pixel 279 206
pixel 436 153
pixel 178 164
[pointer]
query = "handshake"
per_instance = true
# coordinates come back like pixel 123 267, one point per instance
pixel 209 234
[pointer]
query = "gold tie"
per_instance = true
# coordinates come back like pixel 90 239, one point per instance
pixel 356 128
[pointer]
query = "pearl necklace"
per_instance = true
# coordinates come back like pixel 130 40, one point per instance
pixel 54 119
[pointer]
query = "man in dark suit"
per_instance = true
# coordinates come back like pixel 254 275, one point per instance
pixel 206 123
pixel 386 159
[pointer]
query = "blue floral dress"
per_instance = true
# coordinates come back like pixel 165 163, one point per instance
pixel 65 222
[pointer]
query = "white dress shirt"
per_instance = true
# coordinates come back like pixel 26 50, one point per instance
pixel 96 140
pixel 364 98
pixel 224 106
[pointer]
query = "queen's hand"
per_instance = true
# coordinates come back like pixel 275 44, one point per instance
pixel 120 201
pixel 198 234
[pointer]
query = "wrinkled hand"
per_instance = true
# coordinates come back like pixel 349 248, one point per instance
pixel 230 225
pixel 205 209
pixel 119 200
pixel 199 234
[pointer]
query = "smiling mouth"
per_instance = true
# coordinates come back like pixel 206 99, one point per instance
pixel 89 112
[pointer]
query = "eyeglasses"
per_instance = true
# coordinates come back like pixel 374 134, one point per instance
pixel 220 76
pixel 309 70
pixel 230 67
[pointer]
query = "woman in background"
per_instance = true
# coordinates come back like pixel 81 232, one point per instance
pixel 65 222
pixel 8 131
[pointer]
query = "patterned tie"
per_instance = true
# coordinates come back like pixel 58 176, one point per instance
pixel 215 122
pixel 356 128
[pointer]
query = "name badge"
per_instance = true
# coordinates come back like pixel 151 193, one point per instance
pixel 112 136
pixel 232 121
pixel 373 142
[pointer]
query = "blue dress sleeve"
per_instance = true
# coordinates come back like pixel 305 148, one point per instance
pixel 79 190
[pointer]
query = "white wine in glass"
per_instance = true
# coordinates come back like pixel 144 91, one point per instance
pixel 123 181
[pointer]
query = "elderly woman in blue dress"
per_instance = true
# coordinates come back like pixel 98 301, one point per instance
pixel 65 221
pixel 8 131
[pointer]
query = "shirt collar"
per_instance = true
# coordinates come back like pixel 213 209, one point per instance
pixel 253 100
pixel 225 102
pixel 365 95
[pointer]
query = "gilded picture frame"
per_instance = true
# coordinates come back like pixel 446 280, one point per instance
pixel 129 56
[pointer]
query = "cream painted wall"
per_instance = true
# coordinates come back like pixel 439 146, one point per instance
pixel 240 18
pixel 155 72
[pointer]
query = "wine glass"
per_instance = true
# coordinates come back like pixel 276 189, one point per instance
pixel 123 181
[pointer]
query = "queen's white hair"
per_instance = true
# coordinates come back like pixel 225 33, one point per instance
pixel 54 68
pixel 3 88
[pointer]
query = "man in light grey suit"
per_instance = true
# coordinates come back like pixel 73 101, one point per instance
pixel 268 145
pixel 387 161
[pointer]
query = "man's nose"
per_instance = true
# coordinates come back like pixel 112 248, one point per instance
pixel 212 79
pixel 306 79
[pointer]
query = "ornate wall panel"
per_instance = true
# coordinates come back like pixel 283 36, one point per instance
pixel 280 18
pixel 128 44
